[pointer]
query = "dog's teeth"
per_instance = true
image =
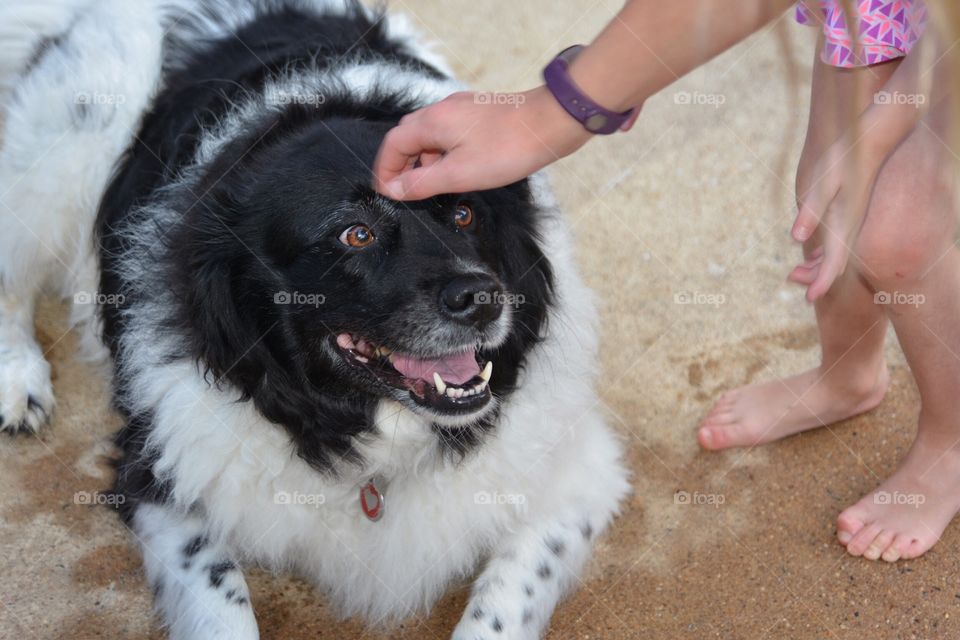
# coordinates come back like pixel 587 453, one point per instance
pixel 451 392
pixel 459 393
pixel 487 371
pixel 439 384
pixel 480 387
pixel 362 359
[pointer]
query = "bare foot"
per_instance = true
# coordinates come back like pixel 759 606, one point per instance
pixel 906 515
pixel 765 412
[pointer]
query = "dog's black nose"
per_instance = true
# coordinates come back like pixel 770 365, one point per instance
pixel 473 300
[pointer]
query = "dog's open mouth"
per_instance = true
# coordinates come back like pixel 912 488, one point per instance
pixel 453 383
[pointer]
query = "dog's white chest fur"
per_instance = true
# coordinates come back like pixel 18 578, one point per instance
pixel 550 453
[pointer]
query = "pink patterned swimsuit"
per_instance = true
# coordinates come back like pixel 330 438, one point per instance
pixel 888 29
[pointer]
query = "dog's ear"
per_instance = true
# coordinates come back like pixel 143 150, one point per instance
pixel 241 340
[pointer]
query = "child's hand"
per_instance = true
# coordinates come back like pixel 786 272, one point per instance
pixel 843 180
pixel 470 141
pixel 465 144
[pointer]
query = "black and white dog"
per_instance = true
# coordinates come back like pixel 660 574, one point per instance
pixel 382 397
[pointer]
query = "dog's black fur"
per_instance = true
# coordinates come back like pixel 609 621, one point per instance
pixel 264 217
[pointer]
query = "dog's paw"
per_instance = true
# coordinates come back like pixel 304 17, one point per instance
pixel 482 622
pixel 474 630
pixel 26 394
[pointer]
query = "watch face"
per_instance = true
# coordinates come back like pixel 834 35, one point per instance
pixel 595 122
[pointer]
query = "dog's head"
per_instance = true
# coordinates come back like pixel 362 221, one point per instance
pixel 318 298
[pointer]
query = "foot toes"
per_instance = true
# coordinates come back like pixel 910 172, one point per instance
pixel 896 548
pixel 862 540
pixel 892 554
pixel 721 418
pixel 715 437
pixel 723 405
pixel 911 550
pixel 916 547
pixel 708 438
pixel 722 436
pixel 727 398
pixel 719 407
pixel 849 524
pixel 879 545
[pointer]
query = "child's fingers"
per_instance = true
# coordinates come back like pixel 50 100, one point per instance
pixel 402 146
pixel 441 173
pixel 806 272
pixel 813 206
pixel 834 263
pixel 429 158
pixel 812 260
pixel 806 222
pixel 804 275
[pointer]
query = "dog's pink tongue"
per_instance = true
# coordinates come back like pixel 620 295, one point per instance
pixel 454 368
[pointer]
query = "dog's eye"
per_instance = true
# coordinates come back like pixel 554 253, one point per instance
pixel 359 235
pixel 463 216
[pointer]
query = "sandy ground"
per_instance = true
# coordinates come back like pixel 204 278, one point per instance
pixel 695 202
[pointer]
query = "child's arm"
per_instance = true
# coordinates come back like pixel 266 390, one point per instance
pixel 844 176
pixel 460 145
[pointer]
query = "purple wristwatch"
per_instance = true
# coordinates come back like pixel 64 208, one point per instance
pixel 592 116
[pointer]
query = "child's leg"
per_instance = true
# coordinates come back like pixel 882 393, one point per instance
pixel 852 377
pixel 907 250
